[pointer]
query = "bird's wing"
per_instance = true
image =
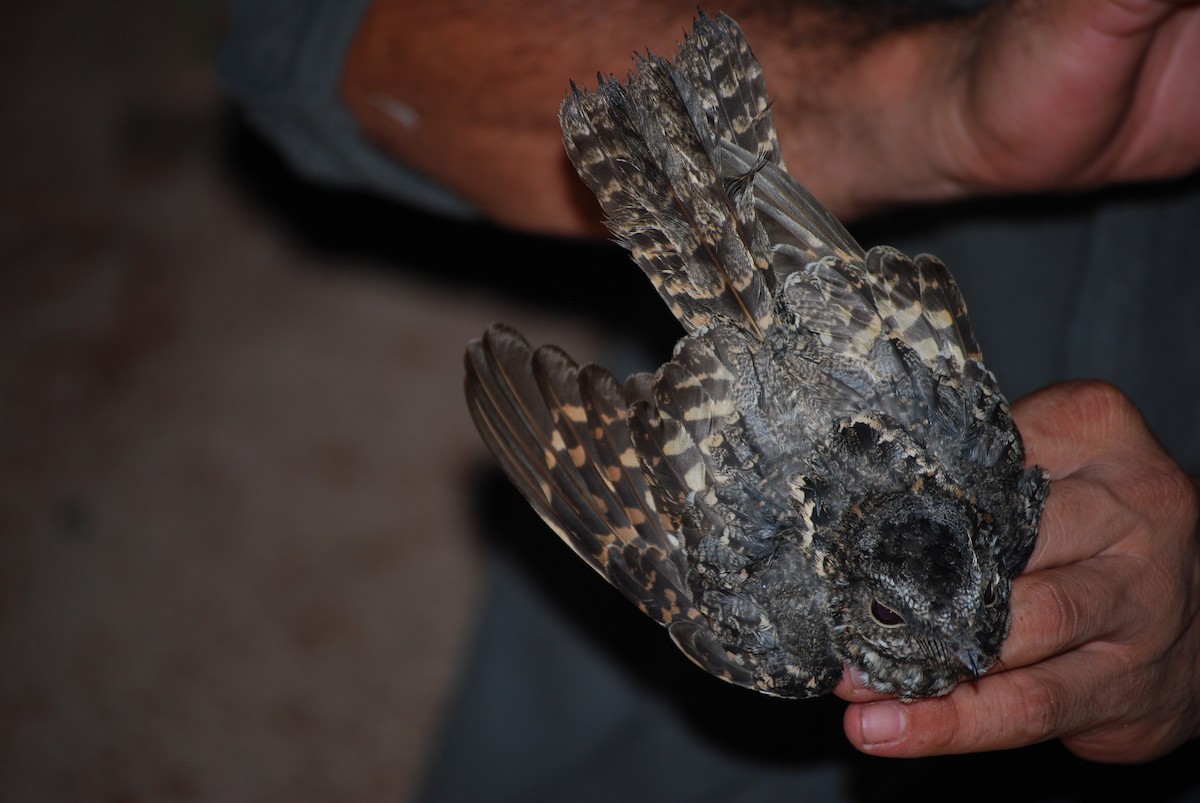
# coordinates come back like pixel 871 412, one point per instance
pixel 559 432
pixel 560 435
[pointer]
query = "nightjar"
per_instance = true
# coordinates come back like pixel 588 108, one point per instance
pixel 824 473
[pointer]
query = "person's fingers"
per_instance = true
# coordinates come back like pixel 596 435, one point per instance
pixel 1064 424
pixel 1109 470
pixel 998 712
pixel 1053 611
pixel 1081 519
pixel 1059 609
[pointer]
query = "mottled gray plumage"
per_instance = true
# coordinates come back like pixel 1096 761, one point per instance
pixel 824 473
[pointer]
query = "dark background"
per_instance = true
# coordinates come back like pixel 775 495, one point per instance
pixel 239 488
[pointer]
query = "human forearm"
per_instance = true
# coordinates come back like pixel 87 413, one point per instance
pixel 470 97
pixel 870 115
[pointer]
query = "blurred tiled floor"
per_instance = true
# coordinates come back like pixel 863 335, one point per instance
pixel 236 552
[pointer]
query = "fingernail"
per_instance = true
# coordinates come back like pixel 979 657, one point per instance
pixel 882 722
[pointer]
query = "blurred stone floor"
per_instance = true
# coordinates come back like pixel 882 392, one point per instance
pixel 238 550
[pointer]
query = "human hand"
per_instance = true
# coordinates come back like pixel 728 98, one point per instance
pixel 1104 651
pixel 1028 96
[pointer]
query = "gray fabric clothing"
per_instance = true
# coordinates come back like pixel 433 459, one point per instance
pixel 281 61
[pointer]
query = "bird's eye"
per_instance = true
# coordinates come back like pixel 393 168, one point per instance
pixel 989 594
pixel 885 615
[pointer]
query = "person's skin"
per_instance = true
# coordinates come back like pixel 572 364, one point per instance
pixel 1030 96
pixel 1039 95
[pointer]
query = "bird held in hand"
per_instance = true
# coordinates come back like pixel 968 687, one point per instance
pixel 825 473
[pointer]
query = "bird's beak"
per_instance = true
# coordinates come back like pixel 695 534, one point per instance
pixel 969 658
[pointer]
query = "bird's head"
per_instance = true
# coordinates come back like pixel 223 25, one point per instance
pixel 924 602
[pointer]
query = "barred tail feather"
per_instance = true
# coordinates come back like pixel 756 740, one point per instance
pixel 651 154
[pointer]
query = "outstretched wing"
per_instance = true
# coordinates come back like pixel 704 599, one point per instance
pixel 560 435
pixel 559 432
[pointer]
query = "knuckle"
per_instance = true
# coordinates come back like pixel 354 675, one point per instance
pixel 1111 416
pixel 1179 496
pixel 1044 704
pixel 946 727
pixel 1163 537
pixel 1058 622
pixel 1157 487
pixel 1101 400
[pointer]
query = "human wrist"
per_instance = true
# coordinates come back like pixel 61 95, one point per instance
pixel 872 124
